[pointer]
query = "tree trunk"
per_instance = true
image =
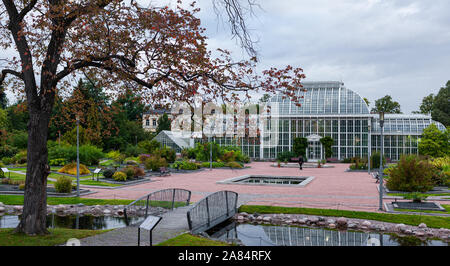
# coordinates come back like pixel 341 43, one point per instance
pixel 34 215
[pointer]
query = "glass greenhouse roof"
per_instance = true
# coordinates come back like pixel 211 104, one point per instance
pixel 322 98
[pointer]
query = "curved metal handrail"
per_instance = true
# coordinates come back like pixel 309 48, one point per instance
pixel 165 198
pixel 212 210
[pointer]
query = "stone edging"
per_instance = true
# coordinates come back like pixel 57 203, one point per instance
pixel 421 231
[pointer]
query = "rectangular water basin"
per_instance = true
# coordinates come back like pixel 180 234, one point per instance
pixel 269 180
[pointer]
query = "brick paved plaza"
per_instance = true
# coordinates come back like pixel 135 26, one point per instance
pixel 332 188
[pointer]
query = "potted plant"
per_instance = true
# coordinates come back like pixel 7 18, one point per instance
pixel 279 163
pixel 285 161
pixel 318 164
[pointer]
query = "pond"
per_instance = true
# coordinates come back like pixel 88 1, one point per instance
pixel 268 235
pixel 74 221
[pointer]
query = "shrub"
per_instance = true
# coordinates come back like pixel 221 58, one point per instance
pixel 138 171
pixel 214 164
pixel 22 186
pixel 20 158
pixel 359 164
pixel 7 160
pixel 89 155
pixel 19 139
pixel 57 162
pixel 411 174
pixel 129 171
pixel 155 162
pixel 143 157
pixel 149 146
pixel 166 153
pixel 63 184
pixel 132 151
pixel 119 176
pixel 2 175
pixel 185 165
pixel 375 160
pixel 113 155
pixel 108 173
pixel 234 165
pixel 8 151
pixel 71 169
pixel 286 156
pixel 131 161
pixel 4 180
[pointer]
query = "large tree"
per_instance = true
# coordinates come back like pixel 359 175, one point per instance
pixel 386 105
pixel 427 105
pixel 441 106
pixel 162 51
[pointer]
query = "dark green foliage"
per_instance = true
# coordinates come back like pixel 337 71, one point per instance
pixel 214 164
pixel 234 165
pixel 133 151
pixel 163 123
pixel 185 165
pixel 8 151
pixel 149 146
pixel 167 153
pixel 299 146
pixel 19 139
pixel 57 162
pixel 434 142
pixel 327 142
pixel 286 156
pixel 129 171
pixel 375 160
pixel 386 105
pixel 411 175
pixel 108 173
pixel 89 155
pixel 416 197
pixel 441 107
pixel 63 184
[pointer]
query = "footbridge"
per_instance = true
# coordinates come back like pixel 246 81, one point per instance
pixel 212 210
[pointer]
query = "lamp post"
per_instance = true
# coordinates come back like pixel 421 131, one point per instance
pixel 369 150
pixel 210 149
pixel 78 157
pixel 381 160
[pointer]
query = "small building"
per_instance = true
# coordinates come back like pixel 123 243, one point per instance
pixel 167 138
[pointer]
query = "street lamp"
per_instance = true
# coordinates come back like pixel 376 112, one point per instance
pixel 78 157
pixel 369 139
pixel 381 160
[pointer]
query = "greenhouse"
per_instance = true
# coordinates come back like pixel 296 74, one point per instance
pixel 330 109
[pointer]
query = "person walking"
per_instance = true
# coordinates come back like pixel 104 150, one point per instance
pixel 300 161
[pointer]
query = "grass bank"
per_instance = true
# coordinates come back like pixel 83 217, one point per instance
pixel 431 221
pixel 57 236
pixel 190 240
pixel 18 200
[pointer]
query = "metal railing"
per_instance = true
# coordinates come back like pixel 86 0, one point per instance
pixel 167 198
pixel 212 210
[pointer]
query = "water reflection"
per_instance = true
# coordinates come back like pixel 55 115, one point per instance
pixel 264 235
pixel 74 221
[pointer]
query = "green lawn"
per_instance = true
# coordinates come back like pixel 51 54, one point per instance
pixel 18 200
pixel 431 221
pixel 190 240
pixel 57 236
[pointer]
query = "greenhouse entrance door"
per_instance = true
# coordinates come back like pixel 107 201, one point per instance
pixel 314 150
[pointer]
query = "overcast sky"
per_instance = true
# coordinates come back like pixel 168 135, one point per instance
pixel 376 47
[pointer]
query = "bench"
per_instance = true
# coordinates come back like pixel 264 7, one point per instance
pixel 294 159
pixel 163 171
pixel 96 172
pixel 5 170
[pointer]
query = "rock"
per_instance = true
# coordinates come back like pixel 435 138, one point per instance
pixel 2 209
pixel 294 221
pixel 332 226
pixel 267 219
pixel 244 214
pixel 18 208
pixel 408 232
pixel 366 224
pixel 382 228
pixel 288 221
pixel 351 225
pixel 419 233
pixel 106 211
pixel 331 221
pixel 251 217
pixel 321 219
pixel 302 221
pixel 422 225
pixel 400 227
pixel 313 219
pixel 341 222
pixel 259 218
pixel 1 204
pixel 240 218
